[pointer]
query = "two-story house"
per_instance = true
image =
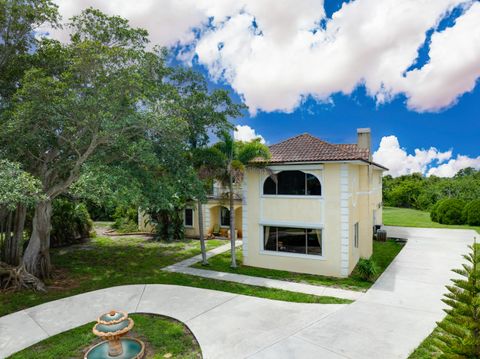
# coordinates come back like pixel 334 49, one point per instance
pixel 312 210
pixel 316 214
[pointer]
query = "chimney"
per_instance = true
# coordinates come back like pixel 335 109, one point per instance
pixel 364 140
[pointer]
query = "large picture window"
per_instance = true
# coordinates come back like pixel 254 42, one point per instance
pixel 224 217
pixel 292 240
pixel 293 183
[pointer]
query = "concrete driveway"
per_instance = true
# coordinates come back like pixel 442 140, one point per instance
pixel 397 313
pixel 389 321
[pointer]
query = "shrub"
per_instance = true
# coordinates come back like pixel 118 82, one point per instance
pixel 460 331
pixel 471 213
pixel 434 212
pixel 367 269
pixel 448 211
pixel 70 222
pixel 126 219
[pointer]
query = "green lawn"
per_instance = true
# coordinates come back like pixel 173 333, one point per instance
pixel 162 335
pixel 106 262
pixel 427 349
pixel 383 254
pixel 407 217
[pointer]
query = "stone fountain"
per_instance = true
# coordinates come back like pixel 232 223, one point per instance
pixel 113 326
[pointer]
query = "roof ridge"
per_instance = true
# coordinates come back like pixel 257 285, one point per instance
pixel 291 138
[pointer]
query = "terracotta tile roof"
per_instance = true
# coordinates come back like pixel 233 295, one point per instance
pixel 307 148
pixel 353 148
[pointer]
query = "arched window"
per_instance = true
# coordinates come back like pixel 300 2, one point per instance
pixel 293 183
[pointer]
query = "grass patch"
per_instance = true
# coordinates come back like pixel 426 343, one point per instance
pixel 383 254
pixel 407 217
pixel 162 336
pixel 427 349
pixel 106 262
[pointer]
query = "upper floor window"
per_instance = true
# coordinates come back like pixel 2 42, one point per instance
pixel 293 183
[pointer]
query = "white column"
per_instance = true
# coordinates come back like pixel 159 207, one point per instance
pixel 244 217
pixel 344 219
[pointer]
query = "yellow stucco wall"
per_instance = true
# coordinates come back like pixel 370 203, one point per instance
pixel 343 203
pixel 299 212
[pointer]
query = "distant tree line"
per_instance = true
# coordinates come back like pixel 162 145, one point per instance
pixel 454 200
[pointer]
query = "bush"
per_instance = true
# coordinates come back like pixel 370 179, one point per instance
pixel 70 222
pixel 448 211
pixel 434 212
pixel 367 269
pixel 126 219
pixel 460 334
pixel 471 213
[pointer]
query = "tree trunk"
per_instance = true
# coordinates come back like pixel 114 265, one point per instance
pixel 37 255
pixel 232 223
pixel 201 234
pixel 13 245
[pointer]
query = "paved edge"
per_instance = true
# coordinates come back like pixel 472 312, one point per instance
pixel 184 267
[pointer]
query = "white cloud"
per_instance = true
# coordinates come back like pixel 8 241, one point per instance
pixel 246 133
pixel 428 162
pixel 274 53
pixel 450 168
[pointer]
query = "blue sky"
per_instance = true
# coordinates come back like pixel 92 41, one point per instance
pixel 456 128
pixel 408 70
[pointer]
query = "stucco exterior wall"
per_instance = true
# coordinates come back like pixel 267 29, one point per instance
pixel 295 211
pixel 350 193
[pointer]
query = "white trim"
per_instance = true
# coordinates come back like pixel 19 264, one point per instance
pixel 185 217
pixel 290 196
pixel 279 168
pixel 220 216
pixel 288 224
pixel 290 254
pixel 245 217
pixel 321 163
pixel 344 220
pixel 303 169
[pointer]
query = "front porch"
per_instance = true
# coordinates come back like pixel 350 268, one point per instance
pixel 217 219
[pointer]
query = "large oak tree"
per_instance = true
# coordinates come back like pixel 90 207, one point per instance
pixel 101 89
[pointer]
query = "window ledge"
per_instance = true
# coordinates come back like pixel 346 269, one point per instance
pixel 294 255
pixel 295 196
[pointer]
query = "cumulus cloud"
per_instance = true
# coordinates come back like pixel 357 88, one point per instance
pixel 426 161
pixel 246 133
pixel 454 165
pixel 275 53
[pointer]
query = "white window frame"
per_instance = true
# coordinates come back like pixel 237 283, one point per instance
pixel 185 218
pixel 356 234
pixel 305 172
pixel 220 217
pixel 263 251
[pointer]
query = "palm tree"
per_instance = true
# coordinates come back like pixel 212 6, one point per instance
pixel 208 162
pixel 237 155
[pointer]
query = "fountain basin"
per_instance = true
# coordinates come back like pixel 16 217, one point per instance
pixel 131 349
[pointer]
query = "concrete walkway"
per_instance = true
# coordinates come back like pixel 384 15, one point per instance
pixel 185 268
pixel 389 321
pixel 226 325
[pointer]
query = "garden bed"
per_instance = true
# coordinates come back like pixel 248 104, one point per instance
pixel 164 338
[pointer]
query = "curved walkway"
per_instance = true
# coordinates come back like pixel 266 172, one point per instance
pixel 184 267
pixel 388 321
